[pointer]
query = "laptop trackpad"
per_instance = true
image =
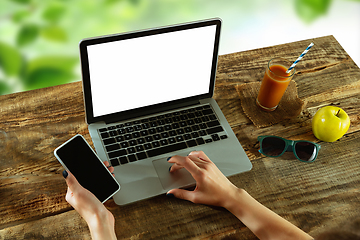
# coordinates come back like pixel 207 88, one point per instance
pixel 179 179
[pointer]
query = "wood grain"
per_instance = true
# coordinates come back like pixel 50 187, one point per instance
pixel 314 196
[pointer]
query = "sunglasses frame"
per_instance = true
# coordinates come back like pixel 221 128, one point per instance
pixel 289 147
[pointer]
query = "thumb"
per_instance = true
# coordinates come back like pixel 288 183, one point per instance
pixel 182 194
pixel 71 181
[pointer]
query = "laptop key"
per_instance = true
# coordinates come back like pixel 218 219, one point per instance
pixel 104 135
pixel 194 135
pixel 112 147
pixel 214 130
pixel 171 140
pixel 109 141
pixel 164 135
pixel 114 162
pixel 128 136
pixel 121 131
pixel 147 146
pixel 179 138
pixel 157 137
pixel 191 143
pixel 212 117
pixel 137 128
pixel 113 133
pixel 203 126
pixel 215 137
pixel 149 139
pixel 223 136
pixel 145 125
pixel 191 115
pixel 156 144
pixel 205 119
pixel 131 150
pixel 200 141
pixel 207 111
pixel 202 132
pixel 123 160
pixel 213 123
pixel 141 155
pixel 187 136
pixel 119 139
pixel 163 142
pixel 124 144
pixel 117 153
pixel 132 158
pixel 190 122
pixel 135 135
pixel 130 129
pixel 141 140
pixel 166 149
pixel 144 133
pixel 139 148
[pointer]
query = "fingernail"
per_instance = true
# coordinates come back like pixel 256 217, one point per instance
pixel 168 158
pixel 170 195
pixel 65 174
pixel 170 168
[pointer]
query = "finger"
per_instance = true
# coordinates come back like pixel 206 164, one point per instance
pixel 182 194
pixel 185 162
pixel 201 155
pixel 111 169
pixel 175 167
pixel 198 161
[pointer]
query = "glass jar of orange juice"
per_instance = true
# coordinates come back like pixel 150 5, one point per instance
pixel 274 84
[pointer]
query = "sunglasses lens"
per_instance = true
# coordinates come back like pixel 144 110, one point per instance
pixel 272 146
pixel 306 151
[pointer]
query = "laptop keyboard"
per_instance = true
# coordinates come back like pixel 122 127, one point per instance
pixel 137 140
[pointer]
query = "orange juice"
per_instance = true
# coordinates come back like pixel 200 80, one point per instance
pixel 274 84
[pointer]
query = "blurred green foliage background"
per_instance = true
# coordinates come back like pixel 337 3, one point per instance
pixel 39 38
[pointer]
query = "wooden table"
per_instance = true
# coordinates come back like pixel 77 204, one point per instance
pixel 315 196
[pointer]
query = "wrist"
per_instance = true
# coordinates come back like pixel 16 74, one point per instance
pixel 102 226
pixel 235 199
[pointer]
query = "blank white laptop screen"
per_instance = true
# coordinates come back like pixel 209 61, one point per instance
pixel 134 73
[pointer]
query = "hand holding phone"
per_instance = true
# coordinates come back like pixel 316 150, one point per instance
pixel 77 156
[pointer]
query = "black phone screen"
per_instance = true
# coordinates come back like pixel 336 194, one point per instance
pixel 90 172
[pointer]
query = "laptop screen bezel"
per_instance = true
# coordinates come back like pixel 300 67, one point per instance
pixel 119 116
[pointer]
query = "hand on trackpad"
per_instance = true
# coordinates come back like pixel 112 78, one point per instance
pixel 179 179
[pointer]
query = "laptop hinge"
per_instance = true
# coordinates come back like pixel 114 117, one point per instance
pixel 149 111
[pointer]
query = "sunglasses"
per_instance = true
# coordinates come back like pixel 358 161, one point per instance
pixel 273 146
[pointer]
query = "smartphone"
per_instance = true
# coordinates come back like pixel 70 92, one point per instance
pixel 77 156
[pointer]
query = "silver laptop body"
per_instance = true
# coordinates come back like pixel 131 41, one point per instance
pixel 141 88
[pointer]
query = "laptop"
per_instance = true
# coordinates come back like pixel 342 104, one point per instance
pixel 148 96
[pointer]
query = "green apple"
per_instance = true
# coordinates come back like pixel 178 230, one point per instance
pixel 330 123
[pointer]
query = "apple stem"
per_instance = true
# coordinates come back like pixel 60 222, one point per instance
pixel 337 114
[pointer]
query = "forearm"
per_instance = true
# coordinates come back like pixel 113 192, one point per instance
pixel 263 222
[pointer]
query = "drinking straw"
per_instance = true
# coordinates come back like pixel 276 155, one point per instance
pixel 300 57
